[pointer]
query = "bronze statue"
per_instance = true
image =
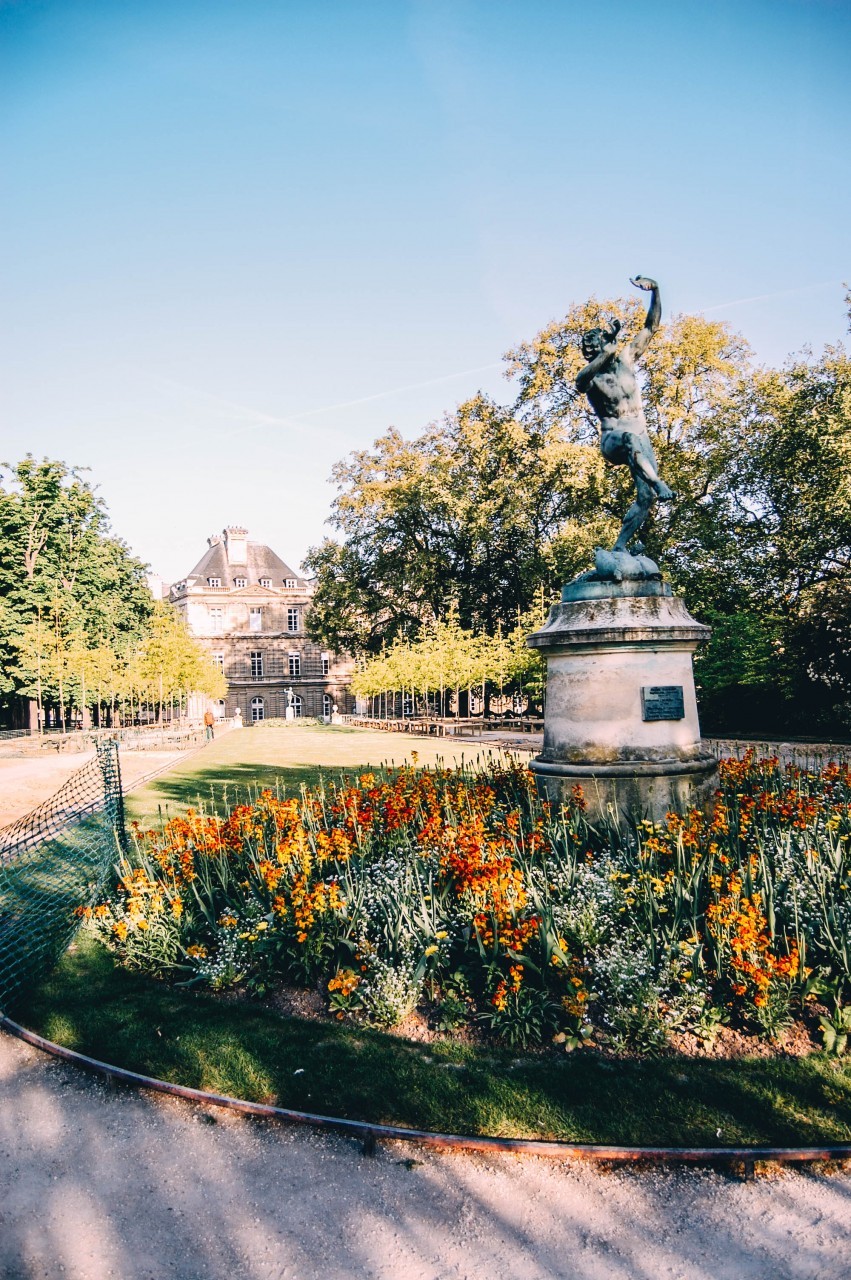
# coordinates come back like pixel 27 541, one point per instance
pixel 608 380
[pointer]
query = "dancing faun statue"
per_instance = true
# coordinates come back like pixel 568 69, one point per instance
pixel 608 380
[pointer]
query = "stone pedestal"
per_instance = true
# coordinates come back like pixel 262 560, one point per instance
pixel 289 714
pixel 621 714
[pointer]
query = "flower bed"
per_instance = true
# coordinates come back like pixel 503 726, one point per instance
pixel 461 893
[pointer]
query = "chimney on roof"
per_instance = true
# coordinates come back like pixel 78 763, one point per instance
pixel 236 544
pixel 213 540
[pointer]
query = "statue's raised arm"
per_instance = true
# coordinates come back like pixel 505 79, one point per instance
pixel 641 341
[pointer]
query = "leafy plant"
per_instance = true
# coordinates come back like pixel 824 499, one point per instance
pixel 526 1017
pixel 835 1029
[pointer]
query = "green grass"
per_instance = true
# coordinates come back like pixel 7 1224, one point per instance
pixel 248 1051
pixel 239 764
pixel 40 887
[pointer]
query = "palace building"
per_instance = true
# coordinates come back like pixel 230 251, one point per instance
pixel 248 608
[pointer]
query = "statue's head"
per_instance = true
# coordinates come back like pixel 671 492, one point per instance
pixel 593 341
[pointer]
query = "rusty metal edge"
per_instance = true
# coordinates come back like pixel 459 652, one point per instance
pixel 451 1141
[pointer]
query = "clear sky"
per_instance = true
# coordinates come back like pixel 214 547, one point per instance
pixel 240 238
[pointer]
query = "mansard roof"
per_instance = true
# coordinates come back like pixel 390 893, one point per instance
pixel 260 562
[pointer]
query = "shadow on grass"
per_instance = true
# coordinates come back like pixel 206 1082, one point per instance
pixel 218 787
pixel 249 1051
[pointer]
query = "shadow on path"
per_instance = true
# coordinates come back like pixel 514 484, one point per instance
pixel 97 1183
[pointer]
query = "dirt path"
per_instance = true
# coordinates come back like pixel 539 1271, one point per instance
pixel 28 780
pixel 97 1184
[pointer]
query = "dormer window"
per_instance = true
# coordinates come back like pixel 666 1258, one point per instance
pixel 290 584
pixel 266 582
pixel 214 582
pixel 240 582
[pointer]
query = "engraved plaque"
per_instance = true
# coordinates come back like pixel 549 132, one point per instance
pixel 662 702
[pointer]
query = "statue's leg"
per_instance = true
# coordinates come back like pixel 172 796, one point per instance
pixel 637 513
pixel 642 461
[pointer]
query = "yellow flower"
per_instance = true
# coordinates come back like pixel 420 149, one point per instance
pixel 264 924
pixel 430 951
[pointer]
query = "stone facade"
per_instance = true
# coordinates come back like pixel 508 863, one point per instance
pixel 248 608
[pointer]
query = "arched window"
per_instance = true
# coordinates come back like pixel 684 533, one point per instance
pixel 326 704
pixel 258 710
pixel 297 705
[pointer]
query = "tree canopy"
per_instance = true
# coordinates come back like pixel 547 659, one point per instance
pixel 78 625
pixel 496 502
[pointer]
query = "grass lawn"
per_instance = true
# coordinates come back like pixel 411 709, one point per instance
pixel 246 1050
pixel 238 764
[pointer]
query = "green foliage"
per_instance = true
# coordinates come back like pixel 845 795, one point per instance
pixel 170 663
pixel 495 503
pixel 448 659
pixel 527 1018
pixel 465 515
pixel 836 1029
pixel 75 600
pixel 249 1050
pixel 78 626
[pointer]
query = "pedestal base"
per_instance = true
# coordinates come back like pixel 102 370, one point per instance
pixel 621 713
pixel 634 790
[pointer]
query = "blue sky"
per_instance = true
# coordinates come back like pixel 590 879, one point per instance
pixel 240 239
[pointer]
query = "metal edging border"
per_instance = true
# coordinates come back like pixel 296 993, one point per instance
pixel 370 1133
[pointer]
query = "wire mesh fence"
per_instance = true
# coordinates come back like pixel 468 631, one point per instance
pixel 54 861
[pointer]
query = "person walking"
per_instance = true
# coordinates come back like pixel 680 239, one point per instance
pixel 209 722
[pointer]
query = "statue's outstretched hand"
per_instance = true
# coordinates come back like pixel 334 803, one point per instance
pixel 643 282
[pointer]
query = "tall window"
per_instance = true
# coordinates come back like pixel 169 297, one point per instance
pixel 214 582
pixel 256 657
pixel 295 664
pixel 240 582
pixel 258 710
pixel 292 619
pixel 326 704
pixel 326 663
pixel 217 621
pixel 219 661
pixel 297 704
pixel 255 619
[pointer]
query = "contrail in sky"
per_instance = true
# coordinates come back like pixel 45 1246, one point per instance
pixel 378 395
pixel 261 419
pixel 763 297
pixel 412 386
pixel 270 420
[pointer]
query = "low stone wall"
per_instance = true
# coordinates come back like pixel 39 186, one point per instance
pixel 801 754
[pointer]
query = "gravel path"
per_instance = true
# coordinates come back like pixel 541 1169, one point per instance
pixel 97 1183
pixel 29 781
